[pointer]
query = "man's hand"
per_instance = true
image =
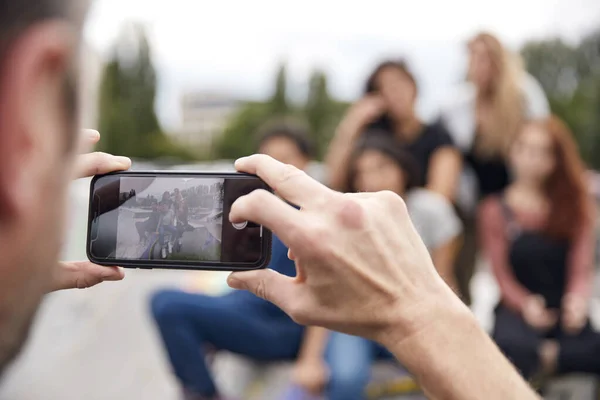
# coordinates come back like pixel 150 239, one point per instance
pixel 80 275
pixel 361 267
pixel 96 163
pixel 83 274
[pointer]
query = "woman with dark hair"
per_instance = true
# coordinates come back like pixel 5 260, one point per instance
pixel 539 236
pixel 378 163
pixel 389 105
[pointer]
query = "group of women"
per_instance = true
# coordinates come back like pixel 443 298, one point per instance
pixel 496 174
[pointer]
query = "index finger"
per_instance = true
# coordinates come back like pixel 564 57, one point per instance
pixel 288 181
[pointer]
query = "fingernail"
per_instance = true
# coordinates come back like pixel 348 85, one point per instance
pixel 92 134
pixel 240 160
pixel 123 160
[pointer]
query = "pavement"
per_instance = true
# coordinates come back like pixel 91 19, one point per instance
pixel 101 343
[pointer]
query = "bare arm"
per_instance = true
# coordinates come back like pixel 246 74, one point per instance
pixel 443 258
pixel 491 226
pixel 338 155
pixel 313 345
pixel 444 172
pixel 581 259
pixel 342 145
pixel 455 359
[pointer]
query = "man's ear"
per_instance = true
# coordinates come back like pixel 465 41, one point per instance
pixel 33 116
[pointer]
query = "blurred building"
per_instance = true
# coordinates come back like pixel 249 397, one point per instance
pixel 204 117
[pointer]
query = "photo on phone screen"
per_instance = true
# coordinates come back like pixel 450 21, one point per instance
pixel 172 219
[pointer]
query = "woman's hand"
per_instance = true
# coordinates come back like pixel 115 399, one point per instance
pixel 363 112
pixel 574 313
pixel 537 315
pixel 311 375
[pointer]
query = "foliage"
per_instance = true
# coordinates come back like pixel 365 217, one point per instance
pixel 128 121
pixel 570 76
pixel 320 112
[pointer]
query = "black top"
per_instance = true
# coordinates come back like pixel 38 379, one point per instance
pixel 432 138
pixel 492 174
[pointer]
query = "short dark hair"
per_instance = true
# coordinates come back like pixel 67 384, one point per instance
pixel 294 131
pixel 16 16
pixel 381 141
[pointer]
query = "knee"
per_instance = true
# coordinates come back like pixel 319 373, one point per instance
pixel 165 308
pixel 348 381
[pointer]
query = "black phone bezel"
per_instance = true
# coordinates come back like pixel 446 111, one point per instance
pixel 267 235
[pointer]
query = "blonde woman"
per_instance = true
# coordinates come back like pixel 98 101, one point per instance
pixel 483 116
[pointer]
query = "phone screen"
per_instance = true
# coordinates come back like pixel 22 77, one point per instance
pixel 173 219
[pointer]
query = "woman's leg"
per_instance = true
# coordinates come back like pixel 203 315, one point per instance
pixel 188 322
pixel 349 359
pixel 518 341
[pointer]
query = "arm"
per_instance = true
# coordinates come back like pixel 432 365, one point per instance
pixel 313 345
pixel 444 172
pixel 493 239
pixel 581 259
pixel 339 153
pixel 358 116
pixel 454 359
pixel 311 372
pixel 443 258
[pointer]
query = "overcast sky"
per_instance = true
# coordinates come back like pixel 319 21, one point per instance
pixel 235 45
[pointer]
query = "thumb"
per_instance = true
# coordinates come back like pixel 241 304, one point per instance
pixel 266 284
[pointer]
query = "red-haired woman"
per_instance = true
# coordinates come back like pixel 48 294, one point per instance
pixel 539 237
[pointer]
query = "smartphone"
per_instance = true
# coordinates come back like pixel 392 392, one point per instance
pixel 174 220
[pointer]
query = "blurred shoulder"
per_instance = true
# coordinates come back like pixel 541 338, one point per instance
pixel 536 102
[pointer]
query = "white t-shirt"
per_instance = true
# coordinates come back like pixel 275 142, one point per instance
pixel 433 217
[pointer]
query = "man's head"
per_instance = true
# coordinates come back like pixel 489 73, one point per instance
pixel 287 143
pixel 39 40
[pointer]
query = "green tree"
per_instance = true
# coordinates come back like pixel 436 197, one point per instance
pixel 279 102
pixel 570 76
pixel 238 137
pixel 321 112
pixel 128 120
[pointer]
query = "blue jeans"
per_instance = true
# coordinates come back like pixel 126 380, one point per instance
pixel 166 229
pixel 189 322
pixel 350 359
